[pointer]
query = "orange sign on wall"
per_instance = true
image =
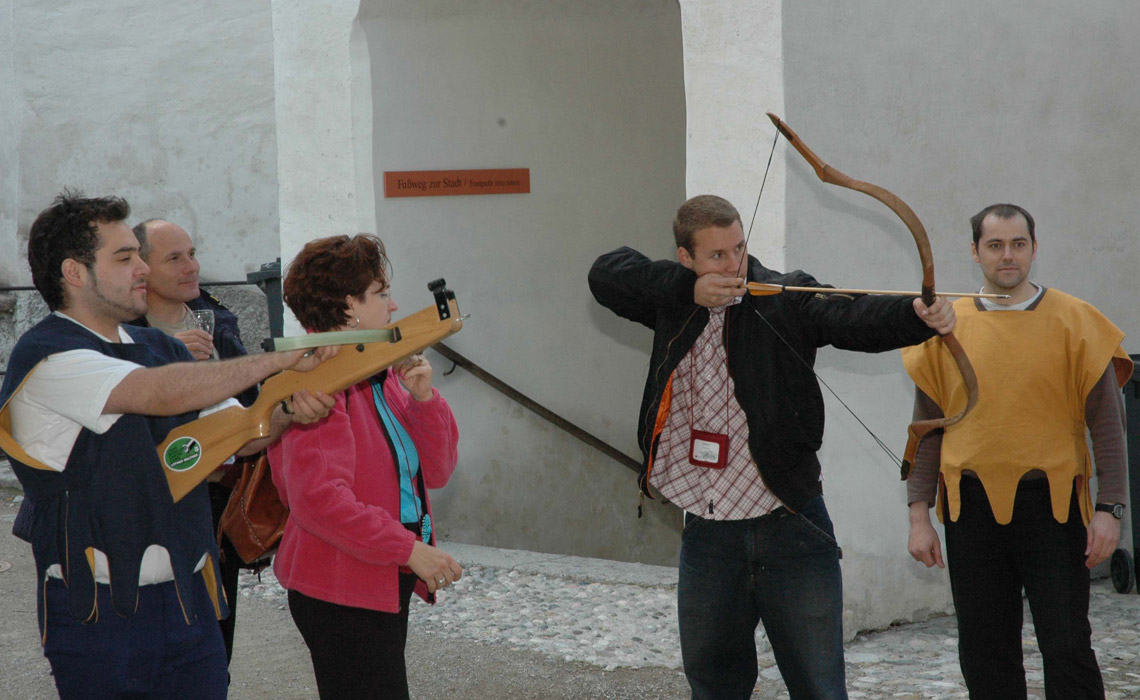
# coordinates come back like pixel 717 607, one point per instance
pixel 444 183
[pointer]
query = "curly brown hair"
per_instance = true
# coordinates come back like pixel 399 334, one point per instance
pixel 327 271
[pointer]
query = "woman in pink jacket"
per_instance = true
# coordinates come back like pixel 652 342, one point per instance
pixel 360 538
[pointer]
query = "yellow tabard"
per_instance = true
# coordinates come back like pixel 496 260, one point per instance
pixel 1035 371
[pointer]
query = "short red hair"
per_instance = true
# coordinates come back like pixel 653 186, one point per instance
pixel 327 271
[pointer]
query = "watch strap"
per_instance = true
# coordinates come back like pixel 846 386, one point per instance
pixel 1116 509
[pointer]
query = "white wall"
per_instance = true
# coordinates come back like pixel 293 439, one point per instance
pixel 734 74
pixel 236 117
pixel 167 104
pixel 10 262
pixel 589 97
pixel 316 53
pixel 952 107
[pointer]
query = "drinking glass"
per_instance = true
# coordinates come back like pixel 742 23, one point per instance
pixel 204 319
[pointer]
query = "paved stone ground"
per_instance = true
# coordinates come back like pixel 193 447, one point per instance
pixel 525 626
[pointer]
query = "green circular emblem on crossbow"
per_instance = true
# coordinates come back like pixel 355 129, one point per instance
pixel 182 454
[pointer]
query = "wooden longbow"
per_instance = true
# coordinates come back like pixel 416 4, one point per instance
pixel 919 429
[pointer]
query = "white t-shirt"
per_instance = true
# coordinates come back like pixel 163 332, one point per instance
pixel 65 393
pixel 992 305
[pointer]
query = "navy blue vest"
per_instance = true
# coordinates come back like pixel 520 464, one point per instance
pixel 112 495
pixel 227 337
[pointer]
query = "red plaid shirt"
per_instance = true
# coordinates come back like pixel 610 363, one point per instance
pixel 704 398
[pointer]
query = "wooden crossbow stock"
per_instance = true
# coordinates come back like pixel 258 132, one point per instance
pixel 919 429
pixel 194 450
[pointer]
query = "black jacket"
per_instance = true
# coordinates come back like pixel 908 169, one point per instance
pixel 771 343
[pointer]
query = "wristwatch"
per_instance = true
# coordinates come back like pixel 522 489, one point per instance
pixel 1117 509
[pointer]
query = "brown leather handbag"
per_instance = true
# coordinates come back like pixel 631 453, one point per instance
pixel 254 518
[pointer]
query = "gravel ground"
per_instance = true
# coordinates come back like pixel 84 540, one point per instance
pixel 603 624
pixel 271 661
pixel 439 665
pixel 526 626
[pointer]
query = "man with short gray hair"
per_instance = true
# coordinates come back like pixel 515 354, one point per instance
pixel 173 296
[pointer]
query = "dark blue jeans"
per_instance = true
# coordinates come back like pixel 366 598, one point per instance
pixel 152 654
pixel 990 564
pixel 781 569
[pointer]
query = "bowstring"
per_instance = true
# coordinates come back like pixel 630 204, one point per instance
pixel 756 208
pixel 876 438
pixel 878 441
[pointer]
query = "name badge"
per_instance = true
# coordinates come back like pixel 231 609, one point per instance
pixel 709 450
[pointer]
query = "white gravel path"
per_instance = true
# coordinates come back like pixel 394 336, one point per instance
pixel 551 604
pixel 613 615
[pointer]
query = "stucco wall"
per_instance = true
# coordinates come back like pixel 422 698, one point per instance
pixel 734 66
pixel 316 56
pixel 167 104
pixel 952 107
pixel 589 97
pixel 9 154
pixel 234 118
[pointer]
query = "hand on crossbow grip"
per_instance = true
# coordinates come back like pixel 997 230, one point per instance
pixel 305 360
pixel 939 315
pixel 306 407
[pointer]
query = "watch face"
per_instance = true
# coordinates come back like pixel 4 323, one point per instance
pixel 1116 509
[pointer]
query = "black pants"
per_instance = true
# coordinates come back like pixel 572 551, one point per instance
pixel 230 566
pixel 356 653
pixel 990 564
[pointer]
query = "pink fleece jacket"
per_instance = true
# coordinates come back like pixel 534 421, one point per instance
pixel 344 542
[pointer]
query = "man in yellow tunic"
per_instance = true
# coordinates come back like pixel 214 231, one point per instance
pixel 1012 478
